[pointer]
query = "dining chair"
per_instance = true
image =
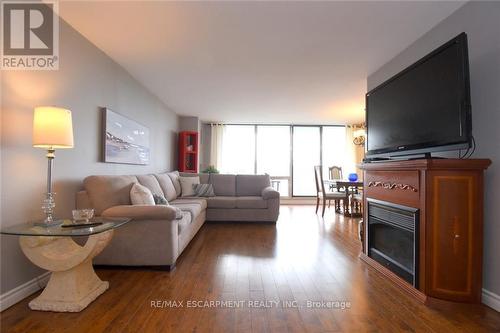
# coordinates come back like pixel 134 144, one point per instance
pixel 335 172
pixel 357 201
pixel 323 195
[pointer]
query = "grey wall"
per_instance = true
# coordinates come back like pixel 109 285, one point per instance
pixel 187 123
pixel 481 22
pixel 205 142
pixel 87 79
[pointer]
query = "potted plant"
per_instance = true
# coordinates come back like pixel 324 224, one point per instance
pixel 210 169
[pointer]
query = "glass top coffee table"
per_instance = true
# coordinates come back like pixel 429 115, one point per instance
pixel 30 229
pixel 73 284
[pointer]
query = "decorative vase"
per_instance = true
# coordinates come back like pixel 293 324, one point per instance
pixel 353 177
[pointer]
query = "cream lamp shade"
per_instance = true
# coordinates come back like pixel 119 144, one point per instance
pixel 52 128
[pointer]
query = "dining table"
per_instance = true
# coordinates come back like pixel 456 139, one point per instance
pixel 351 187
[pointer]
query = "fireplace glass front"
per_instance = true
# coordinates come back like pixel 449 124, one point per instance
pixel 393 238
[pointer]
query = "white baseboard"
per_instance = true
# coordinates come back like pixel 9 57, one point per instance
pixel 17 294
pixel 491 299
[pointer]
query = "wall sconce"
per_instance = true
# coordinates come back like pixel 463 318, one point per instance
pixel 359 137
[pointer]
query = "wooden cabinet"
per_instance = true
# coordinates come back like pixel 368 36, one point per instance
pixel 449 196
pixel 454 235
pixel 378 185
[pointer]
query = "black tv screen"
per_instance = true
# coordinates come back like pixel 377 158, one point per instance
pixel 424 108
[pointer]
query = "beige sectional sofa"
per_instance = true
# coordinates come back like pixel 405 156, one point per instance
pixel 157 235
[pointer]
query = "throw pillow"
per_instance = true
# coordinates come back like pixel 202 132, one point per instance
pixel 204 190
pixel 187 185
pixel 178 213
pixel 141 195
pixel 160 200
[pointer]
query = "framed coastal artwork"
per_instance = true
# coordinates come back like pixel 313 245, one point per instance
pixel 125 140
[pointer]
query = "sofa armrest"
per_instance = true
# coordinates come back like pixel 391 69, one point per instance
pixel 82 200
pixel 142 212
pixel 269 193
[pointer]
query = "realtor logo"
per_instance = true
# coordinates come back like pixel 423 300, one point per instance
pixel 30 35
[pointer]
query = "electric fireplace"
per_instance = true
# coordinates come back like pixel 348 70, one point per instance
pixel 393 238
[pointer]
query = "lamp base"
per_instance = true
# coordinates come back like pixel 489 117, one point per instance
pixel 48 206
pixel 48 224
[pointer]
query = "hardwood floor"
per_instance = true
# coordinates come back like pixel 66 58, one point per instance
pixel 302 258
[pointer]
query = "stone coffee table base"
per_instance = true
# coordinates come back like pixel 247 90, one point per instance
pixel 73 284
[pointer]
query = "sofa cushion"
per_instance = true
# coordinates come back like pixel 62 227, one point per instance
pixel 151 183
pixel 191 200
pixel 224 185
pixel 193 208
pixel 108 191
pixel 184 222
pixel 174 177
pixel 249 185
pixel 167 186
pixel 178 212
pixel 251 202
pixel 204 177
pixel 221 202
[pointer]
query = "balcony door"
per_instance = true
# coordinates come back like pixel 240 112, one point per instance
pixel 287 153
pixel 238 150
pixel 306 154
pixel 273 155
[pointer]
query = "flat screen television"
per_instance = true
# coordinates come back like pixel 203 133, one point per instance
pixel 424 108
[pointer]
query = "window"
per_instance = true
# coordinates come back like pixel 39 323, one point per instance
pixel 251 149
pixel 333 148
pixel 273 150
pixel 273 155
pixel 306 154
pixel 238 150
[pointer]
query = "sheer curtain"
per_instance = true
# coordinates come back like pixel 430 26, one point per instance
pixel 217 131
pixel 350 152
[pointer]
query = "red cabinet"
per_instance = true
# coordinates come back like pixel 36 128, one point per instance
pixel 188 151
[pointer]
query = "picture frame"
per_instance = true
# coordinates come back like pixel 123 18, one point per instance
pixel 125 141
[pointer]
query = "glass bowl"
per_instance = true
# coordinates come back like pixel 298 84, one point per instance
pixel 82 214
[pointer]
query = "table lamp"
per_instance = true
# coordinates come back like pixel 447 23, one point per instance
pixel 52 129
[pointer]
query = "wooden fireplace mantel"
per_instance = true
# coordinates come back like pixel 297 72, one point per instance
pixel 449 196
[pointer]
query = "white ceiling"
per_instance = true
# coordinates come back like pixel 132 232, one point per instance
pixel 279 62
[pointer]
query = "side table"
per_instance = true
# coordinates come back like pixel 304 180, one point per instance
pixel 73 284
